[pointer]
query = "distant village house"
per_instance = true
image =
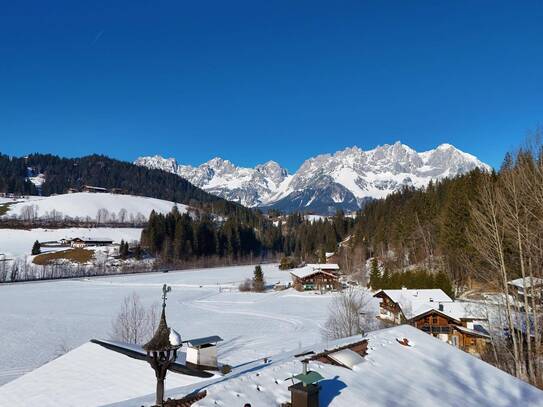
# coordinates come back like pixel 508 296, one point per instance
pixel 89 188
pixel 95 189
pixel 310 278
pixel 434 312
pixel 529 289
pixel 90 241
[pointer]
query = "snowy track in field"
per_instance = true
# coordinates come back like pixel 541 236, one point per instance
pixel 295 322
pixel 43 317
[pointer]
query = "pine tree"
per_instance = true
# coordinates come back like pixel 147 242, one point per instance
pixel 386 279
pixel 442 281
pixel 36 248
pixel 375 274
pixel 258 279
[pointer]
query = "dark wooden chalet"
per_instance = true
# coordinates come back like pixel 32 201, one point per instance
pixel 459 331
pixel 308 278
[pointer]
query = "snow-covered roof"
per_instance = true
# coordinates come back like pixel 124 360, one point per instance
pixel 347 358
pixel 175 338
pixel 390 375
pixel 329 254
pixel 204 341
pixel 88 376
pixel 474 332
pixel 397 375
pixel 324 266
pixel 526 283
pixel 93 239
pixel 413 300
pixel 307 271
pixel 456 309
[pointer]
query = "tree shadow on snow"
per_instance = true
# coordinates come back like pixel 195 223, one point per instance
pixel 330 389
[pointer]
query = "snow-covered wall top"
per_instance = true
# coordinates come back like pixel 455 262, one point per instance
pixel 344 179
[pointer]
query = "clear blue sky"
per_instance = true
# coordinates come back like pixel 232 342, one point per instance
pixel 257 80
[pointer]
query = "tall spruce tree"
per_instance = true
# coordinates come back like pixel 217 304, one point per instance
pixel 375 274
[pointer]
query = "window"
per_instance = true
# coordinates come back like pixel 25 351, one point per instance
pixel 434 320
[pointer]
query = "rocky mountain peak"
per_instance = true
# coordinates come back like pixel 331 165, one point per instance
pixel 346 179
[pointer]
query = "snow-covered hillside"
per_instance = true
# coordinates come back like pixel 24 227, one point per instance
pixel 85 205
pixel 324 183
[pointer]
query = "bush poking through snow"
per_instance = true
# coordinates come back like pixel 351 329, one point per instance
pixel 246 286
pixel 225 369
pixel 135 323
pixel 287 263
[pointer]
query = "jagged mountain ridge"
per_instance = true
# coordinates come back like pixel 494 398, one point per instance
pixel 325 183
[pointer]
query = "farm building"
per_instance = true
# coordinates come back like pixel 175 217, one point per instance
pixel 90 241
pixel 309 278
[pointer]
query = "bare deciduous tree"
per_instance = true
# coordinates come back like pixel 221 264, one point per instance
pixel 135 323
pixel 29 213
pixel 350 314
pixel 123 215
pixel 508 233
pixel 102 216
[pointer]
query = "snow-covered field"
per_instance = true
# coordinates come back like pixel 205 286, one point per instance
pixel 85 204
pixel 18 242
pixel 40 320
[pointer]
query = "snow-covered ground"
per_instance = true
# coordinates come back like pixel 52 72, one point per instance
pixel 86 205
pixel 18 242
pixel 41 319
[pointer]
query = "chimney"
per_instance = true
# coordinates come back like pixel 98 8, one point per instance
pixel 304 394
pixel 440 306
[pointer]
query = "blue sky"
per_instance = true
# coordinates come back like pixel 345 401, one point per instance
pixel 257 80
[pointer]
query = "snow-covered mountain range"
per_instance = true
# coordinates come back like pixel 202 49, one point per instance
pixel 345 179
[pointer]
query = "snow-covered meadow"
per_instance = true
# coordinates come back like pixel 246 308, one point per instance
pixel 85 205
pixel 41 320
